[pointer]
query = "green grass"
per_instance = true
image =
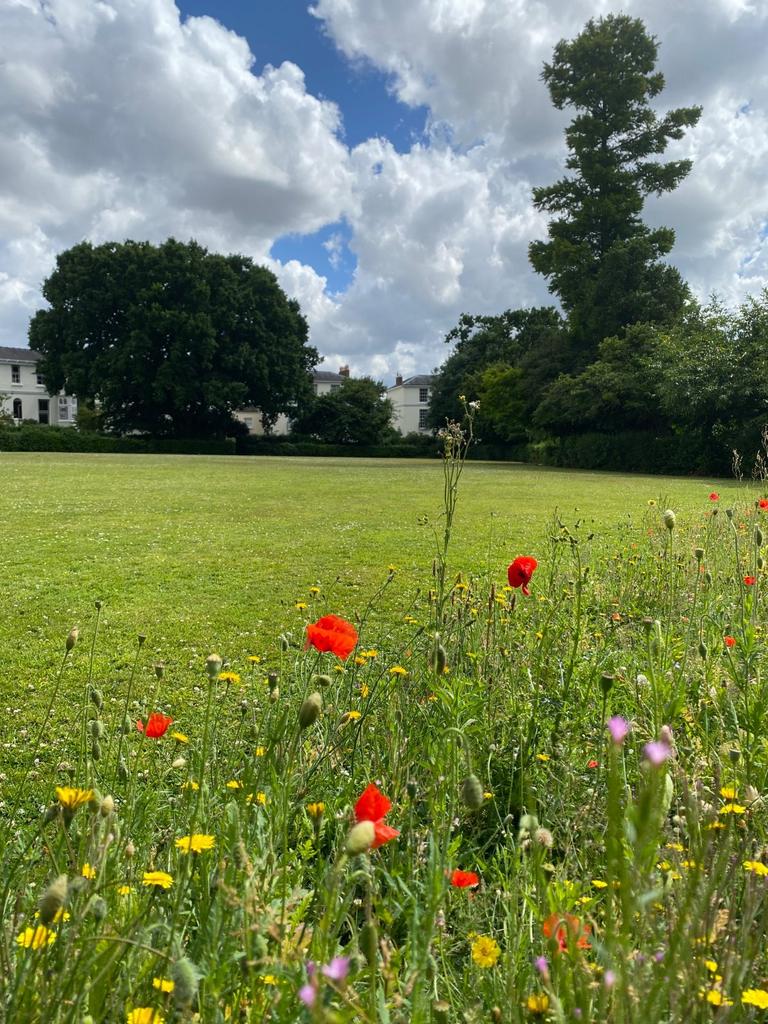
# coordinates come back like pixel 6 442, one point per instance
pixel 203 554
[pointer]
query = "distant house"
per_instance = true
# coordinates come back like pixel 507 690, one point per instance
pixel 24 395
pixel 410 398
pixel 323 383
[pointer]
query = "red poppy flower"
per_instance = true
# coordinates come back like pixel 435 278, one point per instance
pixel 464 879
pixel 374 806
pixel 330 633
pixel 749 581
pixel 714 496
pixel 593 764
pixel 729 641
pixel 763 503
pixel 157 725
pixel 566 930
pixel 520 572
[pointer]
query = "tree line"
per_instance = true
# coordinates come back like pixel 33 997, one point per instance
pixel 629 354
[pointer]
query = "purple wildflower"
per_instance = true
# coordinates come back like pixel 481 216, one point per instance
pixel 337 969
pixel 618 727
pixel 657 752
pixel 542 965
pixel 308 995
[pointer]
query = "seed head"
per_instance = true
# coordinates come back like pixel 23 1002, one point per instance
pixel 213 665
pixel 53 900
pixel 471 792
pixel 309 712
pixel 670 519
pixel 72 636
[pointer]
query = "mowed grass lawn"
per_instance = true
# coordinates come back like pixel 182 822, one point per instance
pixel 206 553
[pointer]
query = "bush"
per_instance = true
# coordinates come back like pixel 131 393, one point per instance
pixel 34 437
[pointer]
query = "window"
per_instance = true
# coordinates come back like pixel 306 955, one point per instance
pixel 423 394
pixel 17 413
pixel 63 409
pixel 15 375
pixel 335 387
pixel 42 410
pixel 39 377
pixel 423 413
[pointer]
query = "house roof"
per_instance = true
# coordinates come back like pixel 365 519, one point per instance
pixel 327 375
pixel 421 380
pixel 18 355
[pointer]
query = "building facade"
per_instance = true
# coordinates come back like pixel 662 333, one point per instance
pixel 323 383
pixel 23 391
pixel 410 398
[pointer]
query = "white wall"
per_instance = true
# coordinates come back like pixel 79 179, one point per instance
pixel 61 408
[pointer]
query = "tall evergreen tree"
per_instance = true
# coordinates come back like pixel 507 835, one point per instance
pixel 601 260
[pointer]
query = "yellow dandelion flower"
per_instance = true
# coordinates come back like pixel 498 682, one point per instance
pixel 190 784
pixel 160 879
pixel 711 966
pixel 598 883
pixel 145 1015
pixel 360 660
pixel 728 792
pixel 314 590
pixel 300 606
pixel 125 890
pixel 543 757
pixel 372 653
pixel 234 784
pixel 716 997
pixel 461 587
pixel 364 690
pixel 316 810
pixel 487 795
pixel 261 798
pixel 340 669
pixel 351 716
pixel 180 737
pixel 269 979
pixel 756 866
pixel 732 809
pixel 755 997
pixel 163 984
pixel 229 677
pixel 391 568
pixel 196 843
pixel 254 659
pixel 690 864
pixel 72 798
pixel 260 751
pixel 537 1003
pixel 60 915
pixel 88 871
pixel 675 846
pixel 485 951
pixel 398 670
pixel 36 938
pixel 714 825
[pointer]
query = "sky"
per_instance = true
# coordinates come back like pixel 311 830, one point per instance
pixel 377 155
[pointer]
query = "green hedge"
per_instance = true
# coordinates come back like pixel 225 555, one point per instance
pixel 36 438
pixel 633 452
pixel 276 446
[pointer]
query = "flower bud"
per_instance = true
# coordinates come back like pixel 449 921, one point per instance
pixel 703 650
pixel 321 680
pixel 96 697
pixel 606 683
pixel 309 712
pixel 122 770
pixel 284 643
pixel 98 907
pixel 52 900
pixel 272 681
pixel 95 750
pixel 141 638
pixel 368 940
pixel 708 578
pixel 98 729
pixel 213 665
pixel 471 792
pixel 130 850
pixel 698 554
pixel 729 513
pixel 360 838
pixel 179 762
pixel 107 806
pixel 411 789
pixel 72 636
pixel 274 694
pixel 97 605
pixel 670 519
pixel 159 669
pixel 185 978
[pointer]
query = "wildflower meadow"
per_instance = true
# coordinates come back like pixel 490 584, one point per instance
pixel 453 743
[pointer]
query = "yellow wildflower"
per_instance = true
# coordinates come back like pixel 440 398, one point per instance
pixel 254 659
pixel 196 843
pixel 351 716
pixel 316 810
pixel 88 871
pixel 234 784
pixel 543 757
pixel 260 751
pixel 537 1003
pixel 229 677
pixel 190 784
pixel 756 866
pixel 364 690
pixel 732 809
pixel 598 883
pixel 675 846
pixel 180 737
pixel 755 997
pixel 372 653
pixel 163 984
pixel 145 1015
pixel 360 660
pixel 487 795
pixel 485 951
pixel 72 798
pixel 314 590
pixel 728 792
pixel 300 606
pixel 398 670
pixel 36 938
pixel 160 879
pixel 125 890
pixel 269 979
pixel 716 998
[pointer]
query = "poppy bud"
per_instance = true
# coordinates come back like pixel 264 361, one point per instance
pixel 368 940
pixel 729 513
pixel 472 792
pixel 440 1011
pixel 708 578
pixel 98 908
pixel 670 519
pixel 272 681
pixel 243 707
pixel 284 644
pixel 703 650
pixel 759 537
pixel 72 636
pixel 606 683
pixel 141 638
pixel 96 697
pixel 127 726
pixel 309 712
pixel 213 665
pixel 122 770
pixel 95 750
pixel 130 850
pixel 185 978
pixel 360 838
pixel 321 680
pixel 698 554
pixel 107 806
pixel 98 729
pixel 159 669
pixel 411 788
pixel 53 899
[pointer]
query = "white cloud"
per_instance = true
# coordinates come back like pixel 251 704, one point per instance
pixel 119 119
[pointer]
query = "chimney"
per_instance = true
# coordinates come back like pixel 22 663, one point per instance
pixel 344 370
pixel 398 380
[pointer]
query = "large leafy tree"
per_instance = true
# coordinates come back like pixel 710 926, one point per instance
pixel 170 339
pixel 600 259
pixel 357 413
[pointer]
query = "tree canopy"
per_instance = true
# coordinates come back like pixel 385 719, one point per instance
pixel 601 260
pixel 357 413
pixel 170 339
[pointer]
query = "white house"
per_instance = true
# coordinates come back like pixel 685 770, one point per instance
pixel 323 383
pixel 410 398
pixel 24 395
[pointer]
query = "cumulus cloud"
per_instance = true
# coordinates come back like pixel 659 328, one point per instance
pixel 119 118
